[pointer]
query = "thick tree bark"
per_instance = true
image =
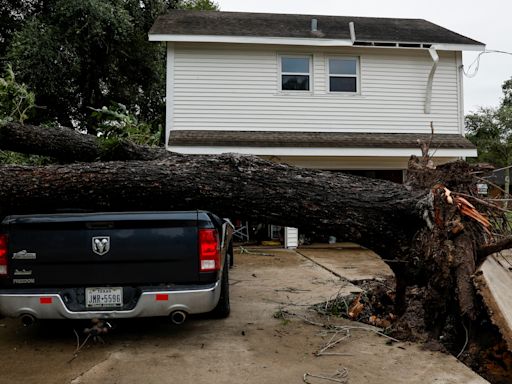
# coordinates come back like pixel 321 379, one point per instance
pixel 375 213
pixel 67 145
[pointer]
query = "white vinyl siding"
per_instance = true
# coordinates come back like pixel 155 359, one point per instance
pixel 236 87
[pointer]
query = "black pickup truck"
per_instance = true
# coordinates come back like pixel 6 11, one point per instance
pixel 114 265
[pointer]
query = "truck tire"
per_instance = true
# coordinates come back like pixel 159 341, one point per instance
pixel 223 307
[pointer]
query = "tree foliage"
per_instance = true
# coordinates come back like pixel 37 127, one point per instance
pixel 91 53
pixel 117 122
pixel 16 101
pixel 490 129
pixel 199 5
pixel 13 13
pixel 16 105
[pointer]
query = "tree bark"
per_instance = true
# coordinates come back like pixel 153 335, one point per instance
pixel 67 145
pixel 377 214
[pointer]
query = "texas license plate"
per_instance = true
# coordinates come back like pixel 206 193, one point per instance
pixel 103 297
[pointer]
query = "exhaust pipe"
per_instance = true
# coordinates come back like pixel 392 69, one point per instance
pixel 178 317
pixel 27 320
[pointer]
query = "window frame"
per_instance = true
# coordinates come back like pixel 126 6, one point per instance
pixel 357 75
pixel 280 57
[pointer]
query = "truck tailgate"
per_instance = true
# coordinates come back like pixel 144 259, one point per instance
pixel 103 249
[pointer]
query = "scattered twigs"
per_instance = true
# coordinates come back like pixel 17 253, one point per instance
pixel 341 376
pixel 249 252
pixel 339 328
pixel 79 346
pixel 374 330
pixel 98 327
pixel 306 320
pixel 332 343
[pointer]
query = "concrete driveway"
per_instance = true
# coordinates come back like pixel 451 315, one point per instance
pixel 251 346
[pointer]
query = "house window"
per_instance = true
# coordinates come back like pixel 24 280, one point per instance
pixel 343 74
pixel 295 73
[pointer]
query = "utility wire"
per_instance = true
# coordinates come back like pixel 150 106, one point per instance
pixel 472 72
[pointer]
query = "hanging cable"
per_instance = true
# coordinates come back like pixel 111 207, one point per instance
pixel 470 73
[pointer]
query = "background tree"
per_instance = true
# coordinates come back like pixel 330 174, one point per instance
pixel 13 13
pixel 490 129
pixel 199 5
pixel 77 55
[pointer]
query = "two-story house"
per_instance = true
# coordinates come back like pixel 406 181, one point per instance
pixel 328 92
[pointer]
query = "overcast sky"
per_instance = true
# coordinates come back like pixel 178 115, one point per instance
pixel 488 21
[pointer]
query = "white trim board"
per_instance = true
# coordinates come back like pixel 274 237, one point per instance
pixel 252 40
pixel 296 151
pixel 298 41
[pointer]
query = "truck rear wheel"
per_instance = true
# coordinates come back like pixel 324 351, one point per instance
pixel 223 307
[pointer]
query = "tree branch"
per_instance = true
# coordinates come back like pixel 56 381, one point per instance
pixel 68 146
pixel 486 250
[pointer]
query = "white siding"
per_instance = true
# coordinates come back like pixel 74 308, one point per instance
pixel 236 87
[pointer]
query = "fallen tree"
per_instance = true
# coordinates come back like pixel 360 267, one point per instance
pixel 67 145
pixel 427 230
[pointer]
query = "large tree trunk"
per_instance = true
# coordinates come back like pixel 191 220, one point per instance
pixel 67 145
pixel 377 214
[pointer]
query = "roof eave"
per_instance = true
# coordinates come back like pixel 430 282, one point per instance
pixel 313 41
pixel 251 40
pixel 459 47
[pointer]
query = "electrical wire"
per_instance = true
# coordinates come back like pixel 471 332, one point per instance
pixel 470 73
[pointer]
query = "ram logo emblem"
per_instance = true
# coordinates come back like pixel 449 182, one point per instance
pixel 101 245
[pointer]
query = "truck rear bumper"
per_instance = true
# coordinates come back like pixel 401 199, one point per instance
pixel 151 303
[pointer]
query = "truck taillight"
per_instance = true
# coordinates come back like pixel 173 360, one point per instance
pixel 209 250
pixel 3 255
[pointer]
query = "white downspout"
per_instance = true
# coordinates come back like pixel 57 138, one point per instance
pixel 352 30
pixel 428 97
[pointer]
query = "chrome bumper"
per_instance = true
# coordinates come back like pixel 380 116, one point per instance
pixel 51 306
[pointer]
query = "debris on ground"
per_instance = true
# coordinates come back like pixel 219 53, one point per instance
pixel 340 376
pixel 374 306
pixel 98 327
pixel 252 252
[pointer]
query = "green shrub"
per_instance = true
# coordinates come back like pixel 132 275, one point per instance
pixel 16 101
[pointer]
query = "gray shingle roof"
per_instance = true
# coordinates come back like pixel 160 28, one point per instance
pixel 314 139
pixel 299 26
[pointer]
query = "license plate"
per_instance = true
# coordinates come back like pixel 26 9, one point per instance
pixel 103 297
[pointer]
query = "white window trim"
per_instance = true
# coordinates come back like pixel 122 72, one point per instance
pixel 357 75
pixel 280 73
